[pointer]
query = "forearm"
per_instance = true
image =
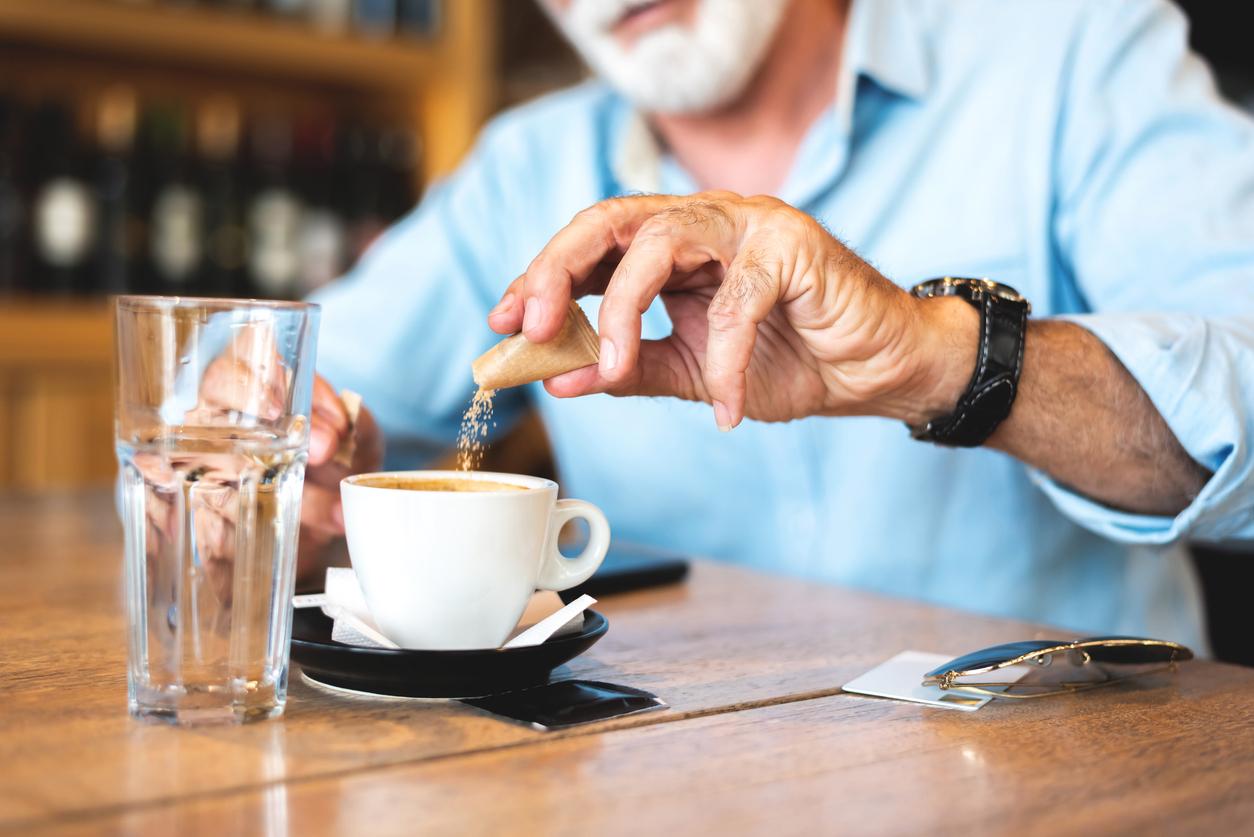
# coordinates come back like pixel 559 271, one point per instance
pixel 1079 416
pixel 1084 420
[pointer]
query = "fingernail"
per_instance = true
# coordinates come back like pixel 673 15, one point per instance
pixel 505 304
pixel 337 516
pixel 609 355
pixel 533 314
pixel 722 416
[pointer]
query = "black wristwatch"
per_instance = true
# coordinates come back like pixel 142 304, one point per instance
pixel 991 393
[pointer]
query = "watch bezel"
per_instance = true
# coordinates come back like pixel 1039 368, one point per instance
pixel 955 285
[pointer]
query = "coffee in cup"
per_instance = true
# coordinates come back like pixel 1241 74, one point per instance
pixel 453 484
pixel 448 560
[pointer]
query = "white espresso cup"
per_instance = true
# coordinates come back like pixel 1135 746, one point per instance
pixel 454 570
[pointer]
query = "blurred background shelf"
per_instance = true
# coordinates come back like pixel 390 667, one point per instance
pixel 233 41
pixel 440 83
pixel 140 138
pixel 55 394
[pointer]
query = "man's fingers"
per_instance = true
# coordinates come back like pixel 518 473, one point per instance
pixel 320 510
pixel 585 381
pixel 573 255
pixel 507 316
pixel 640 276
pixel 566 260
pixel 659 371
pixel 329 422
pixel 674 242
pixel 328 406
pixel 749 291
pixel 367 455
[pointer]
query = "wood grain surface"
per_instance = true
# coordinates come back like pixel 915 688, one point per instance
pixel 758 737
pixel 1155 759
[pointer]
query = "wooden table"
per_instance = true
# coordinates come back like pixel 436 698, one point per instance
pixel 759 737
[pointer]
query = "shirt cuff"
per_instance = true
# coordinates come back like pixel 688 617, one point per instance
pixel 1191 369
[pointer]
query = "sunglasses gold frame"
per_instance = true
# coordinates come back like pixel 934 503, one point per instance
pixel 948 680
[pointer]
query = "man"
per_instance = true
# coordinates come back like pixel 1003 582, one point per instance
pixel 1073 150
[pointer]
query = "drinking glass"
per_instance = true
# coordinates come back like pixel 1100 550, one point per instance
pixel 212 433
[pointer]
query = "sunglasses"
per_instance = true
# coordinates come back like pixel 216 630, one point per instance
pixel 1084 660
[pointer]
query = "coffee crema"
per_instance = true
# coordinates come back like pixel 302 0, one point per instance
pixel 446 484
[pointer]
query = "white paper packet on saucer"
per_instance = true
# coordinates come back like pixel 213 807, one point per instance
pixel 343 602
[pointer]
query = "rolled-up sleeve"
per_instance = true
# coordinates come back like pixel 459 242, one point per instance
pixel 1199 372
pixel 1154 228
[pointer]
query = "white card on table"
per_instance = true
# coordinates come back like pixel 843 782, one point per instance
pixel 901 678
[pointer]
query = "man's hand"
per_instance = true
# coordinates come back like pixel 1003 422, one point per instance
pixel 321 516
pixel 773 318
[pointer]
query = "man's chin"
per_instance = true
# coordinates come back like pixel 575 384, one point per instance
pixel 685 88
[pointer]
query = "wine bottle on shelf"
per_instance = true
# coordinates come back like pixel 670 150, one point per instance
pixel 225 235
pixel 120 226
pixel 236 5
pixel 175 224
pixel 274 210
pixel 63 209
pixel 331 16
pixel 286 8
pixel 419 18
pixel 360 165
pixel 398 150
pixel 322 241
pixel 12 202
pixel 374 18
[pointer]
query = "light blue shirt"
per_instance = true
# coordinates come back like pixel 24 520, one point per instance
pixel 1073 149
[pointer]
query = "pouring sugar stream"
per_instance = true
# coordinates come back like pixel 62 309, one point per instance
pixel 516 361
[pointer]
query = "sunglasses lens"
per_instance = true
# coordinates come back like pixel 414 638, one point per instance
pixel 977 660
pixel 1134 654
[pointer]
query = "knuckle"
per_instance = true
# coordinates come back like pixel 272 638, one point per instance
pixel 597 214
pixel 701 213
pixel 753 277
pixel 724 313
pixel 724 195
pixel 537 268
pixel 664 224
pixel 767 203
pixel 621 308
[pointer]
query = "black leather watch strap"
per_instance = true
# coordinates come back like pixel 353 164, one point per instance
pixel 995 382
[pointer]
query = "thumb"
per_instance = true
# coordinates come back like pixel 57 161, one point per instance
pixel 659 371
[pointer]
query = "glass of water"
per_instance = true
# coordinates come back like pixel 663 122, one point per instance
pixel 212 432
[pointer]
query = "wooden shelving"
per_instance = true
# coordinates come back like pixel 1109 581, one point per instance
pixel 445 85
pixel 217 40
pixel 55 356
pixel 55 394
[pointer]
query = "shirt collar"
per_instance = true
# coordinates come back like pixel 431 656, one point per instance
pixel 884 41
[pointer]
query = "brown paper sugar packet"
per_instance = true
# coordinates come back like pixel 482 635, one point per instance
pixel 348 445
pixel 516 360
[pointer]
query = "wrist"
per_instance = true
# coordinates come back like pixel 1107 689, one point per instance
pixel 946 350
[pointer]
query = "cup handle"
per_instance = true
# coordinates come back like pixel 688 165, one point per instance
pixel 560 572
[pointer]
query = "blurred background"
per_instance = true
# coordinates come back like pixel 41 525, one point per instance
pixel 256 148
pixel 242 148
pixel 214 147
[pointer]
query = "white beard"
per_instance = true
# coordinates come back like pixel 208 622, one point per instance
pixel 674 68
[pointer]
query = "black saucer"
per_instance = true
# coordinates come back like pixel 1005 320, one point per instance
pixel 431 674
